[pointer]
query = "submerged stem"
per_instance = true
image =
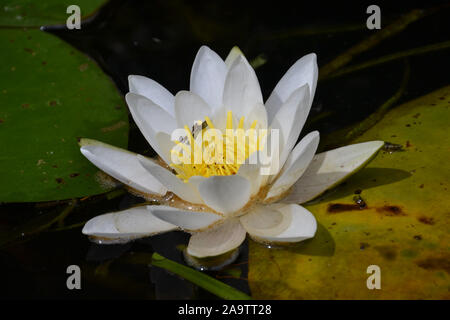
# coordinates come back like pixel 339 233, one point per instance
pixel 387 32
pixel 380 112
pixel 391 57
pixel 202 280
pixel 348 134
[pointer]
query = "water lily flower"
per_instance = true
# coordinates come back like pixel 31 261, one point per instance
pixel 219 203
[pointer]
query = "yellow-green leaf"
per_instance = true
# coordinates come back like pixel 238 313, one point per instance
pixel 403 228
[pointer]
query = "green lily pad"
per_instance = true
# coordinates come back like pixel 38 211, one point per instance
pixel 403 228
pixel 51 94
pixel 32 13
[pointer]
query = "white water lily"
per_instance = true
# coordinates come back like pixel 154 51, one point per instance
pixel 220 203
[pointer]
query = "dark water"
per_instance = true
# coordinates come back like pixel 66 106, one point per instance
pixel 159 39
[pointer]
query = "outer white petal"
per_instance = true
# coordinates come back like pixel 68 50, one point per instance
pixel 302 226
pixel 295 165
pixel 185 219
pixel 208 76
pixel 290 119
pixel 122 165
pixel 183 190
pixel 190 108
pixel 266 220
pixel 329 168
pixel 225 194
pixel 304 71
pixel 151 119
pixel 235 52
pixel 150 114
pixel 123 226
pixel 152 90
pixel 242 91
pixel 216 241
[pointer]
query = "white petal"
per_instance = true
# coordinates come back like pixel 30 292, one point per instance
pixel 185 219
pixel 328 169
pixel 190 108
pixel 304 71
pixel 152 90
pixel 290 119
pixel 259 114
pixel 165 145
pixel 266 221
pixel 251 170
pixel 225 194
pixel 235 52
pixel 295 165
pixel 126 225
pixel 183 190
pixel 122 165
pixel 302 226
pixel 216 241
pixel 148 114
pixel 208 76
pixel 150 119
pixel 242 91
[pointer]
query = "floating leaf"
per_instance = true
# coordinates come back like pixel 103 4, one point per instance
pixel 51 94
pixel 32 13
pixel 403 227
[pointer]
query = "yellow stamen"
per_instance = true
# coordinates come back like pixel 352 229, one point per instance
pixel 216 154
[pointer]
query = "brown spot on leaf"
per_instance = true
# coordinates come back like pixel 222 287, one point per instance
pixel 25 105
pixel 31 51
pixel 341 207
pixel 83 67
pixel 115 126
pixel 73 175
pixel 421 186
pixel 60 180
pixel 435 263
pixel 52 103
pixel 391 211
pixel 387 252
pixel 418 237
pixel 408 144
pixel 426 220
pixel 416 115
pixel 363 245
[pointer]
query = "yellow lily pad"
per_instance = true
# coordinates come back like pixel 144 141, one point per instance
pixel 403 228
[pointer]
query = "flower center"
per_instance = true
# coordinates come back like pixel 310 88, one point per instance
pixel 206 151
